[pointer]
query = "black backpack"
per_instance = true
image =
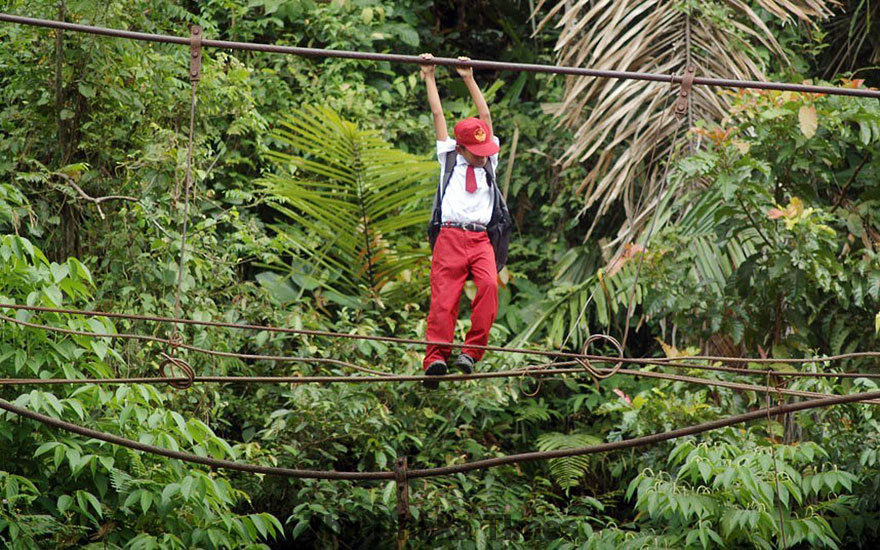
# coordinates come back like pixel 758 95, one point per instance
pixel 500 225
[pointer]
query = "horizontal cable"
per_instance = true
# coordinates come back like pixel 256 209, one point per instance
pixel 659 361
pixel 528 372
pixel 447 470
pixel 414 59
pixel 188 457
pixel 177 344
pixel 644 440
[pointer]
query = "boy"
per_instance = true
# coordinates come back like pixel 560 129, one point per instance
pixel 469 229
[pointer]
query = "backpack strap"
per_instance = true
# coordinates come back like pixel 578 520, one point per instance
pixel 490 180
pixel 448 169
pixel 436 215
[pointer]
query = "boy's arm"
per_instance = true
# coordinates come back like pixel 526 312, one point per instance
pixel 467 74
pixel 427 74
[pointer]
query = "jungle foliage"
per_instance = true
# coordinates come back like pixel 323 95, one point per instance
pixel 312 182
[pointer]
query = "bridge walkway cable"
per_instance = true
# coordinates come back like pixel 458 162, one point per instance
pixel 674 362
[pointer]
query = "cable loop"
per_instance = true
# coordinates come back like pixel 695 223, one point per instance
pixel 181 365
pixel 593 371
pixel 522 388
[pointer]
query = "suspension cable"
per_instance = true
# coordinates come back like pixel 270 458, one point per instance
pixel 441 471
pixel 660 361
pixel 552 370
pixel 447 61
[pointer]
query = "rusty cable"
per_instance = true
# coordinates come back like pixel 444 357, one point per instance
pixel 446 470
pixel 447 61
pixel 641 441
pixel 194 77
pixel 664 184
pixel 180 344
pixel 181 365
pixel 592 371
pixel 488 463
pixel 536 372
pixel 658 361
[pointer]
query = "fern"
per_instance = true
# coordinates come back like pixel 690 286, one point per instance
pixel 350 198
pixel 567 471
pixel 121 481
pixel 535 411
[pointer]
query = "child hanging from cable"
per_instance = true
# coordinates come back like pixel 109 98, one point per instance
pixel 469 229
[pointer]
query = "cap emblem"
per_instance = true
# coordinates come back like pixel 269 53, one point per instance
pixel 480 135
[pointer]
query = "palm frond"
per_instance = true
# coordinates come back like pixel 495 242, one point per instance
pixel 349 197
pixel 618 123
pixel 854 38
pixel 576 309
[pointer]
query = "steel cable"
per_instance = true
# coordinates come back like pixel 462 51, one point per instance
pixel 180 344
pixel 536 372
pixel 440 471
pixel 673 362
pixel 447 61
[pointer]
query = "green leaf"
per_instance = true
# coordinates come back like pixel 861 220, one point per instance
pixel 131 498
pixel 90 499
pixel 705 470
pixel 46 447
pixel 146 501
pixel 259 524
pixel 301 526
pixel 86 90
pixel 64 502
pixel 865 133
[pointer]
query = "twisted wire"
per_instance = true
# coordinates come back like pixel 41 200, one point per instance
pixel 660 361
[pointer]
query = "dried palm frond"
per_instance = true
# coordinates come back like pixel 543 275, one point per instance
pixel 854 38
pixel 618 123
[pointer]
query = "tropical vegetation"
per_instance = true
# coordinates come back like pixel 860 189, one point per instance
pixel 747 228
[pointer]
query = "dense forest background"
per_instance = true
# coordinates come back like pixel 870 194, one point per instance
pixel 764 241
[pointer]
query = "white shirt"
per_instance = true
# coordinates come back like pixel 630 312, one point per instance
pixel 458 205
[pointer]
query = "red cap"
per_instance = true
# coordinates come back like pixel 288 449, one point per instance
pixel 474 135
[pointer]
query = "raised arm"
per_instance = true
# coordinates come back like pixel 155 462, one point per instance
pixel 427 74
pixel 467 74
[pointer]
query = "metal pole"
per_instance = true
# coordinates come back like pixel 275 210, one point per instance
pixel 402 501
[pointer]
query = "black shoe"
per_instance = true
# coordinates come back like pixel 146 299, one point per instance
pixel 465 363
pixel 437 368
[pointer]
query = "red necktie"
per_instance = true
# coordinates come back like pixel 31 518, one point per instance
pixel 470 180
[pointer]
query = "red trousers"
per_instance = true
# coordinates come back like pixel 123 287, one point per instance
pixel 457 254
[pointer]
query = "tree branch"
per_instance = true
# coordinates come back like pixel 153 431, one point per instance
pixel 96 200
pixel 753 222
pixel 852 178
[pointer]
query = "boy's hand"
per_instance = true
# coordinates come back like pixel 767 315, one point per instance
pixel 464 72
pixel 427 69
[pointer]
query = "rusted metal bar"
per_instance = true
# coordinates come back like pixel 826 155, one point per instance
pixel 684 100
pixel 400 479
pixel 189 378
pixel 195 55
pixel 447 61
pixel 530 371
